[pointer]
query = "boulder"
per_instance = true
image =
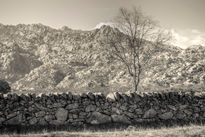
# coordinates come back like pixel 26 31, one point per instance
pixel 166 116
pixel 98 118
pixel 61 114
pixel 120 119
pixel 150 113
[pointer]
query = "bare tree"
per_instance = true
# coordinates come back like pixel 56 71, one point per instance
pixel 132 32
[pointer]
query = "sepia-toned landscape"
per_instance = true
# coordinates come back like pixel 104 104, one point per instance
pixel 127 75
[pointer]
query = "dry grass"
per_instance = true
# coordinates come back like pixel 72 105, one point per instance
pixel 187 131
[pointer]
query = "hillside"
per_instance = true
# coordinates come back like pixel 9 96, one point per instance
pixel 38 58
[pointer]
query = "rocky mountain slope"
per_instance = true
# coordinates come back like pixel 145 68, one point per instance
pixel 38 58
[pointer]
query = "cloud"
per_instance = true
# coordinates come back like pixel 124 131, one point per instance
pixel 187 37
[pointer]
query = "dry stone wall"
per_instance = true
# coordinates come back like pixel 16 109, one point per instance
pixel 72 109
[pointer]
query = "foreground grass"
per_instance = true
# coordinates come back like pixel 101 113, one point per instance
pixel 186 131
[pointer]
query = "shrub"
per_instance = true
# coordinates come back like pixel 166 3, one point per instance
pixel 4 87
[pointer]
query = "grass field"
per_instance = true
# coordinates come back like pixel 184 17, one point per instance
pixel 185 131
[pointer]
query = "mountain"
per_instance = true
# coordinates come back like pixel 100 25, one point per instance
pixel 38 58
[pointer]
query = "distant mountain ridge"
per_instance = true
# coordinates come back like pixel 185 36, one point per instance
pixel 42 59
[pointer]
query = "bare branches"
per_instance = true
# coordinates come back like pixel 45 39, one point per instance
pixel 128 43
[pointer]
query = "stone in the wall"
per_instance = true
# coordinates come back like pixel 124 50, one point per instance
pixel 57 105
pixel 56 122
pixel 72 106
pixel 39 106
pixel 98 118
pixel 180 115
pixel 90 108
pixel 150 113
pixel 33 121
pixel 40 114
pixel 42 121
pixel 123 107
pixel 128 114
pixel 204 115
pixel 116 111
pixel 137 98
pixel 91 96
pixel 202 108
pixel 125 97
pixel 120 119
pixel 166 116
pixel 2 120
pixel 30 109
pixel 75 116
pixel 111 96
pixel 188 112
pixel 182 107
pixel 138 120
pixel 61 114
pixel 196 109
pixel 82 115
pixel 49 117
pixel 11 115
pixel 172 107
pixel 117 96
pixel 15 120
pixel 139 111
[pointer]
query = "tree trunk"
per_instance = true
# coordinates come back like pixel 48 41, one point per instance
pixel 138 76
pixel 134 83
pixel 134 75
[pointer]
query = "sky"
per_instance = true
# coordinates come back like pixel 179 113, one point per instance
pixel 184 18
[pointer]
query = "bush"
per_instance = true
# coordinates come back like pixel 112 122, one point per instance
pixel 4 87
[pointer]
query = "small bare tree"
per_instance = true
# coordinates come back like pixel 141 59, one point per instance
pixel 127 43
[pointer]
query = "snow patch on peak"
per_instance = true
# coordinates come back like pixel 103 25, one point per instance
pixel 102 24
